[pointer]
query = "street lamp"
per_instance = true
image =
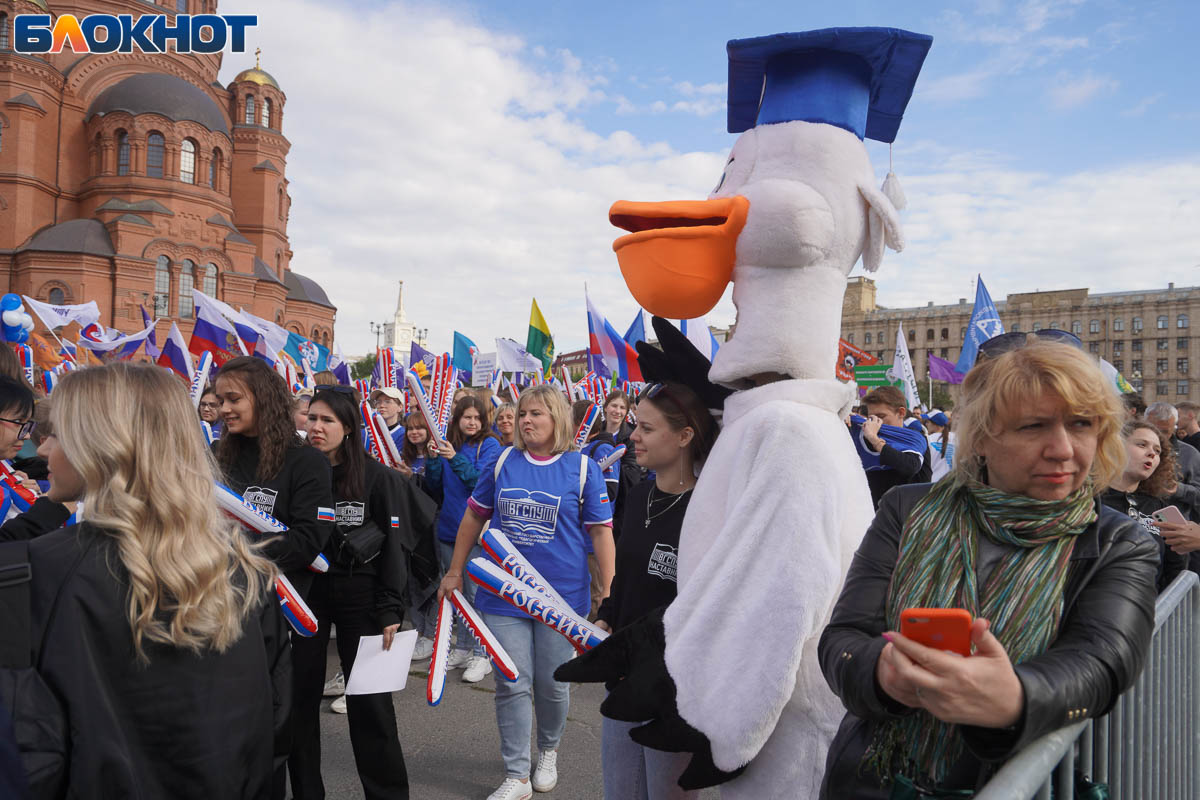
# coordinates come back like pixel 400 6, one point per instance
pixel 422 336
pixel 376 328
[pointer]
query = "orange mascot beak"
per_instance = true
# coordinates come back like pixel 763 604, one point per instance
pixel 679 255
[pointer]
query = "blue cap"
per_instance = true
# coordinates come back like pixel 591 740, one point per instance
pixel 859 79
pixel 937 418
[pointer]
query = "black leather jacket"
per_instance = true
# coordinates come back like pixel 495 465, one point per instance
pixel 1102 642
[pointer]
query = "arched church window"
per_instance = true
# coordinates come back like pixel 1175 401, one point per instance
pixel 162 287
pixel 57 296
pixel 187 278
pixel 122 153
pixel 265 120
pixel 187 161
pixel 249 109
pixel 214 167
pixel 209 286
pixel 155 145
pixel 3 31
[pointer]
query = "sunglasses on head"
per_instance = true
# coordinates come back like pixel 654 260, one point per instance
pixel 1007 342
pixel 335 387
pixel 654 390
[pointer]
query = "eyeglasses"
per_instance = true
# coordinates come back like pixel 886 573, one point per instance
pixel 1007 342
pixel 210 405
pixel 26 426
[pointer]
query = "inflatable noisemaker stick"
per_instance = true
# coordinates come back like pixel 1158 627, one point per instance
pixel 49 381
pixel 383 447
pixel 200 378
pixel 25 356
pixel 435 684
pixel 446 407
pixel 496 652
pixel 246 514
pixel 437 376
pixel 20 492
pixel 520 595
pixel 514 390
pixel 589 421
pixel 496 544
pixel 612 458
pixel 568 386
pixel 418 393
pixel 363 387
pixel 206 429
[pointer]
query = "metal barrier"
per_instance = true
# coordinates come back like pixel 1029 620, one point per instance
pixel 1148 746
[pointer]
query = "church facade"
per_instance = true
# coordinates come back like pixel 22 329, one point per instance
pixel 129 179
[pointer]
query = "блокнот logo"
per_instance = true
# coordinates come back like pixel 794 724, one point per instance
pixel 122 33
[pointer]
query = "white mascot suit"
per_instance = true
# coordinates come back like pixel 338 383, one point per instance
pixel 729 672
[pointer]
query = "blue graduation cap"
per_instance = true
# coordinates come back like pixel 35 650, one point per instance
pixel 859 79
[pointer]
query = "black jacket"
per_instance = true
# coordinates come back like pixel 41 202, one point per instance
pixel 293 495
pixel 1139 507
pixel 183 726
pixel 405 565
pixel 43 516
pixel 1108 619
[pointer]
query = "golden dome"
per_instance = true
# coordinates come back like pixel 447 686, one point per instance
pixel 256 74
pixel 40 4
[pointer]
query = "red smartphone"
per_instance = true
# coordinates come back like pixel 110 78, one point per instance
pixel 940 628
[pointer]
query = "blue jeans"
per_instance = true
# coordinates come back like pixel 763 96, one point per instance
pixel 633 772
pixel 537 651
pixel 463 640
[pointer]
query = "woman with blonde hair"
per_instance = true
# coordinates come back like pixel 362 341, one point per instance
pixel 1059 586
pixel 563 505
pixel 159 629
pixel 504 423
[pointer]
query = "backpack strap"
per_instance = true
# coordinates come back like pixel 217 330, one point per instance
pixel 582 477
pixel 500 462
pixel 16 575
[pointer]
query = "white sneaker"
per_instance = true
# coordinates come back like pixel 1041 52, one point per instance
pixel 477 668
pixel 458 658
pixel 339 706
pixel 335 686
pixel 545 774
pixel 512 789
pixel 423 650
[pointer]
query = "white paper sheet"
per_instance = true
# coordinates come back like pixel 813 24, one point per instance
pixel 377 670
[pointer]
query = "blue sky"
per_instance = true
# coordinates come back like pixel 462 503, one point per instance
pixel 476 148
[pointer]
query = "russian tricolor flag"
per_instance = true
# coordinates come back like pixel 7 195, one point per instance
pixel 213 333
pixel 175 355
pixel 326 514
pixel 608 352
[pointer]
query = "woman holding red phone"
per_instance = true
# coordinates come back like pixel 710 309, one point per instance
pixel 1060 587
pixel 1143 488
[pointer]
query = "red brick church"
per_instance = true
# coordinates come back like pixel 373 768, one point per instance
pixel 128 179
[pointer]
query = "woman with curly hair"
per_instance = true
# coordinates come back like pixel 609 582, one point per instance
pixel 1142 488
pixel 264 460
pixel 159 629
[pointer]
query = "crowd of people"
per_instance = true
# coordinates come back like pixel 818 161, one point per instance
pixel 1041 503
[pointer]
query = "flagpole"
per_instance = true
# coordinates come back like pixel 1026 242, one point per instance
pixel 62 347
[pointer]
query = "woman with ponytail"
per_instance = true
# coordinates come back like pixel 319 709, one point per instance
pixel 158 626
pixel 1059 586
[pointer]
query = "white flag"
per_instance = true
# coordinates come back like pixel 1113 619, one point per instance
pixel 511 357
pixel 56 316
pixel 903 370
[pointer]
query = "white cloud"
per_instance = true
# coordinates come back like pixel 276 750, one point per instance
pixel 1143 105
pixel 1132 227
pixel 452 157
pixel 1071 91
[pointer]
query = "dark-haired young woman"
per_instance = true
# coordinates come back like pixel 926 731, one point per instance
pixel 674 434
pixel 16 423
pixel 471 449
pixel 375 560
pixel 263 458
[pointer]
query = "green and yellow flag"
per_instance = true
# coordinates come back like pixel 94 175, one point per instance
pixel 540 344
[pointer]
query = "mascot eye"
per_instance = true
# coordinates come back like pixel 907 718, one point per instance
pixel 724 175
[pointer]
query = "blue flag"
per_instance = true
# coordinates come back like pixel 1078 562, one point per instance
pixel 304 351
pixel 985 323
pixel 464 349
pixel 637 331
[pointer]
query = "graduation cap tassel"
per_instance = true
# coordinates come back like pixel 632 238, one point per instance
pixel 891 186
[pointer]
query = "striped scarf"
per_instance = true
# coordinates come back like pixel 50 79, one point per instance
pixel 1022 598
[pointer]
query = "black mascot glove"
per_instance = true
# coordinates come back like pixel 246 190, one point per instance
pixel 632 664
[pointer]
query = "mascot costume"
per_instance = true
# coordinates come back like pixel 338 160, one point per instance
pixel 729 671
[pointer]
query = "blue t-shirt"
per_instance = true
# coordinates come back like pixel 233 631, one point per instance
pixel 597 451
pixel 536 504
pixel 454 492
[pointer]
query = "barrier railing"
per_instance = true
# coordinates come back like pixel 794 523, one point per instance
pixel 1148 746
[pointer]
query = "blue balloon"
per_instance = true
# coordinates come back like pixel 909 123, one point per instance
pixel 11 306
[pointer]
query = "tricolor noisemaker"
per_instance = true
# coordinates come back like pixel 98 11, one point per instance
pixel 589 421
pixel 295 610
pixel 582 635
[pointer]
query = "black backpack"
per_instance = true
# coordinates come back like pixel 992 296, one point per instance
pixel 38 722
